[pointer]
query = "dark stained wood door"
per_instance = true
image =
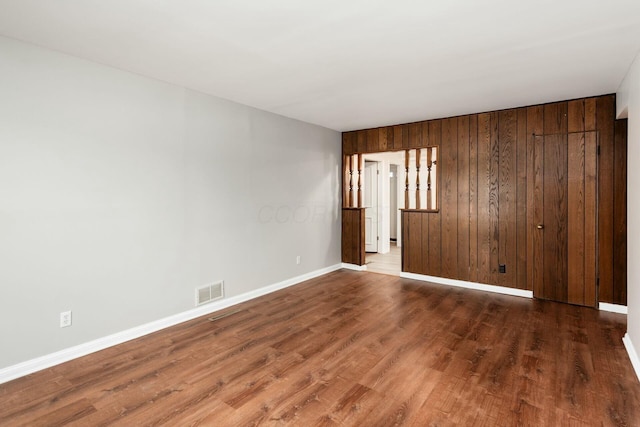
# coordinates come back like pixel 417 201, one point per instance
pixel 565 217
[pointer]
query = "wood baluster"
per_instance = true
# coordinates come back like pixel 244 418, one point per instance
pixel 429 165
pixel 418 178
pixel 406 179
pixel 345 181
pixel 359 180
pixel 350 181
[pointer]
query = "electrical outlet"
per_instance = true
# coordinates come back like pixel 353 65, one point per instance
pixel 298 260
pixel 65 319
pixel 503 268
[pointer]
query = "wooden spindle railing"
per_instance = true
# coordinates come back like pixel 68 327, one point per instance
pixel 359 180
pixel 429 165
pixel 418 178
pixel 353 187
pixel 350 181
pixel 345 181
pixel 406 179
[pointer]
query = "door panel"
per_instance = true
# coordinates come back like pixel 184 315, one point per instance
pixel 564 213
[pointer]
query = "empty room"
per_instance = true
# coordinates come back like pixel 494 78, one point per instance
pixel 336 213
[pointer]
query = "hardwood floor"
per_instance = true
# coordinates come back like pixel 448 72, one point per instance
pixel 389 263
pixel 351 348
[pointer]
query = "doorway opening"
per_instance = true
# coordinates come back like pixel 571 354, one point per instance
pixel 381 191
pixel 378 188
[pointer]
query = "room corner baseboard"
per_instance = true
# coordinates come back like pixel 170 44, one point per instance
pixel 354 267
pixel 633 355
pixel 469 285
pixel 613 308
pixel 30 366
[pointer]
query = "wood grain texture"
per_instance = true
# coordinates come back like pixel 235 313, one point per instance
pixel 351 349
pixel 397 137
pixel 494 199
pixel 415 135
pixel 413 222
pixel 383 139
pixel 521 200
pixel 534 186
pixel 507 196
pixel 373 140
pixel 435 260
pixel 487 180
pixel 605 110
pixel 555 270
pixel 484 185
pixel 353 236
pixel 576 199
pixel 463 246
pixel 575 115
pixel 537 225
pixel 449 196
pixel 473 198
pixel 591 220
pixel 361 144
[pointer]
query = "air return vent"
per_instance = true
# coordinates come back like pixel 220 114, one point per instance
pixel 209 293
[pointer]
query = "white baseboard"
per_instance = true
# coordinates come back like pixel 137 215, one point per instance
pixel 354 267
pixel 633 355
pixel 30 366
pixel 614 308
pixel 469 285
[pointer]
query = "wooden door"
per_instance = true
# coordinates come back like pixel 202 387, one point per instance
pixel 565 217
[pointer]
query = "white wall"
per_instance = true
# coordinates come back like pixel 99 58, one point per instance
pixel 628 103
pixel 120 194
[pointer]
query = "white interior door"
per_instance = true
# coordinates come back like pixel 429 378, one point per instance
pixel 370 202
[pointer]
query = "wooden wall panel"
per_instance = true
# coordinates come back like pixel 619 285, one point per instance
pixel 507 242
pixel 590 114
pixel 605 110
pixel 576 219
pixel 349 143
pixel 361 141
pixel 484 185
pixel 412 246
pixel 487 188
pixel 555 118
pixel 405 136
pixel 535 125
pixel 373 140
pixel 555 216
pixel 415 135
pixel 435 249
pixel 590 223
pixel 397 137
pixel 575 113
pixel 424 243
pixel 353 236
pixel 494 202
pixel 473 198
pixel 463 198
pixel 449 193
pixel 521 201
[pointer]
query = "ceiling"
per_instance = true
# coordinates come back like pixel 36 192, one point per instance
pixel 350 64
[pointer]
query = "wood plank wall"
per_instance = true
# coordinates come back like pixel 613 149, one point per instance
pixel 353 236
pixel 485 198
